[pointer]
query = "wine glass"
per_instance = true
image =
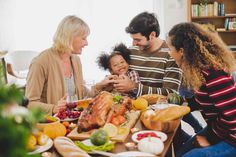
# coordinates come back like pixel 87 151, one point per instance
pixel 71 101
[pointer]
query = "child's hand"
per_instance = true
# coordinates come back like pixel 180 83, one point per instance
pixel 124 84
pixel 112 77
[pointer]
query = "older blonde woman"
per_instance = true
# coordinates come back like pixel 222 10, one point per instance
pixel 57 71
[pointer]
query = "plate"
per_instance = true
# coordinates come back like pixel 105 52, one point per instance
pixel 40 149
pixel 161 106
pixel 87 142
pixel 162 135
pixel 66 119
pixel 134 154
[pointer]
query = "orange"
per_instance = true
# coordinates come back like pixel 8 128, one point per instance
pixel 140 103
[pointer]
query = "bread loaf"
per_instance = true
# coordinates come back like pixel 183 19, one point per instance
pixel 67 148
pixel 171 113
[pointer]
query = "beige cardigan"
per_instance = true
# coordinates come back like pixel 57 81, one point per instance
pixel 45 81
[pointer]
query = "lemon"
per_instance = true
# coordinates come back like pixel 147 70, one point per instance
pixel 122 130
pixel 111 129
pixel 140 103
pixel 42 139
pixel 31 145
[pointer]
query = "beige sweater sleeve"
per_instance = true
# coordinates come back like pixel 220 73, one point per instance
pixel 35 86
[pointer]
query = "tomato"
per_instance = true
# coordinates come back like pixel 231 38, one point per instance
pixel 147 134
pixel 66 124
pixel 115 121
pixel 121 119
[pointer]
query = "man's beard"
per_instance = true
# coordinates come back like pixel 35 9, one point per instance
pixel 144 47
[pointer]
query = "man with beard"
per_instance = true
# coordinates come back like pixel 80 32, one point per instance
pixel 158 72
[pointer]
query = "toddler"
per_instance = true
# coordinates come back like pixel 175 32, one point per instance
pixel 117 62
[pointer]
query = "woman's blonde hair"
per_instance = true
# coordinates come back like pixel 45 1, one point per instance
pixel 69 27
pixel 203 50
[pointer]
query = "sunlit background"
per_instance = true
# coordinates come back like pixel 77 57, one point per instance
pixel 31 24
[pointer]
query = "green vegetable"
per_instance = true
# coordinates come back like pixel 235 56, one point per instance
pixel 99 137
pixel 105 147
pixel 117 98
pixel 174 98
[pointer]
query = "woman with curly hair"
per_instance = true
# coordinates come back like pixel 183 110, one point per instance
pixel 118 65
pixel 207 63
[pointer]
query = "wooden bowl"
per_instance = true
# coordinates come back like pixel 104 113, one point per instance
pixel 152 124
pixel 41 126
pixel 166 127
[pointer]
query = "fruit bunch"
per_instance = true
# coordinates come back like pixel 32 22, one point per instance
pixel 66 113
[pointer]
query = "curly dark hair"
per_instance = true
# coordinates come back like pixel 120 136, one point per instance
pixel 202 49
pixel 104 59
pixel 144 23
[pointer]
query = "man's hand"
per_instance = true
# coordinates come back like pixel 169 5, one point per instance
pixel 124 84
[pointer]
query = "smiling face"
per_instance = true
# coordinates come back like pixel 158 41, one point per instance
pixel 118 65
pixel 176 54
pixel 78 43
pixel 140 41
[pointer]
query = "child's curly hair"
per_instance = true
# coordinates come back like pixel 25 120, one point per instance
pixel 104 59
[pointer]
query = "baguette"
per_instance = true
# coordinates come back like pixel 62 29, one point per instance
pixel 67 148
pixel 171 113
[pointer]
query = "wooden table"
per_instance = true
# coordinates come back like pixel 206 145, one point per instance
pixel 119 147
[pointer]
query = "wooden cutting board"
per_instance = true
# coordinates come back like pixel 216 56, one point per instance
pixel 133 116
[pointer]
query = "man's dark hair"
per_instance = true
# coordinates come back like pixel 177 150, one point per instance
pixel 144 23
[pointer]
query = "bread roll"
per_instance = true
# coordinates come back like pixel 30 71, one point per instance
pixel 67 148
pixel 154 98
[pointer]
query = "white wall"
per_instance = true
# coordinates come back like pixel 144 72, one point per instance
pixel 174 11
pixel 30 24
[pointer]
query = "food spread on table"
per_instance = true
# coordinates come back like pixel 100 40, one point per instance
pixel 105 120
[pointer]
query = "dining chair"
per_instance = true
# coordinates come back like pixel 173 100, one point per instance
pixel 3 71
pixel 18 62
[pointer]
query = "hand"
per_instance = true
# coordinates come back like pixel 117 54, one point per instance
pixel 109 79
pixel 61 104
pixel 124 84
pixel 201 141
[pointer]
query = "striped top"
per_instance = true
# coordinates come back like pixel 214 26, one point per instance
pixel 217 103
pixel 158 72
